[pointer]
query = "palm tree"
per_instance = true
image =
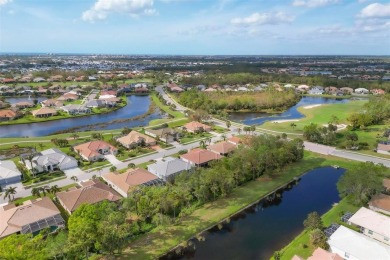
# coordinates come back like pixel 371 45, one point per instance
pixel 208 139
pixel 36 192
pixel 44 190
pixel 10 193
pixel 54 189
pixel 75 136
pixel 202 144
pixel 293 125
pixel 239 130
pixel 74 178
pixel 223 137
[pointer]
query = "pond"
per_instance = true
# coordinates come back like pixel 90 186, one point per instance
pixel 292 113
pixel 259 231
pixel 136 106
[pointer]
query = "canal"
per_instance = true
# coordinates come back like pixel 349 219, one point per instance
pixel 291 113
pixel 259 231
pixel 136 106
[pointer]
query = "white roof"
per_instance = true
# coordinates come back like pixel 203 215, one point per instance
pixel 168 166
pixel 358 245
pixel 372 220
pixel 8 169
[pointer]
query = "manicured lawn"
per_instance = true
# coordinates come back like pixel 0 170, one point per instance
pixel 301 244
pixel 90 165
pixel 194 137
pixel 43 177
pixel 166 109
pixel 160 240
pixel 318 115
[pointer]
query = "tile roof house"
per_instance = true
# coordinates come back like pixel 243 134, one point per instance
pixel 167 135
pixel 32 216
pixel 194 127
pixel 234 140
pixel 361 91
pixel 200 157
pixel 320 254
pixel 9 173
pixel 346 90
pixel 94 103
pixel 68 97
pixel 383 147
pixel 372 224
pixel 44 112
pixel 166 168
pixel 352 245
pixel 75 109
pixel 90 192
pixel 51 103
pixel 24 104
pixel 134 139
pixel 222 148
pixel 378 91
pixel 380 203
pixel 95 150
pixel 125 182
pixel 50 160
pixel 8 114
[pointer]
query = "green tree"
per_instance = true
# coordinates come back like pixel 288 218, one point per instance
pixel 9 193
pixel 361 182
pixel 318 239
pixel 313 221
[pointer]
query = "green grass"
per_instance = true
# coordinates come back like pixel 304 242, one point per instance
pixel 165 108
pixel 296 247
pixel 90 165
pixel 161 240
pixel 194 137
pixel 319 115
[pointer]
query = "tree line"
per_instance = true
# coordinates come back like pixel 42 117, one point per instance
pixel 106 228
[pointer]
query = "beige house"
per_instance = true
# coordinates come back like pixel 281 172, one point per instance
pixel 194 127
pixel 95 150
pixel 44 112
pixel 90 192
pixel 222 148
pixel 32 216
pixel 167 135
pixel 200 157
pixel 372 224
pixel 134 139
pixel 125 182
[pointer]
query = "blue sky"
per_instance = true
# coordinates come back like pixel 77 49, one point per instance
pixel 196 27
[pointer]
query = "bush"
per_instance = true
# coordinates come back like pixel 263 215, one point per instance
pixel 183 152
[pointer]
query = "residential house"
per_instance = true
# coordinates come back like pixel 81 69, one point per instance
pixel 347 91
pixel 31 217
pixel 331 90
pixel 95 103
pixel 24 104
pixel 8 114
pixel 195 127
pixel 316 90
pixel 74 109
pixel 222 148
pixel 210 90
pixel 361 91
pixel 303 88
pixel 68 97
pixel 176 89
pixel 289 86
pixel 50 160
pixel 51 103
pixel 3 104
pixel 44 112
pixel 377 91
pixel 243 89
pixel 95 150
pixel 90 192
pixel 125 182
pixel 372 224
pixel 134 139
pixel 39 79
pixel 320 254
pixel 9 173
pixel 352 245
pixel 383 147
pixel 166 135
pixel 380 203
pixel 108 93
pixel 200 157
pixel 234 140
pixel 168 167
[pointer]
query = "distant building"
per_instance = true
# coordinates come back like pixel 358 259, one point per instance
pixel 194 127
pixel 361 91
pixel 44 112
pixel 383 147
pixel 222 148
pixel 167 135
pixel 166 168
pixel 134 139
pixel 94 150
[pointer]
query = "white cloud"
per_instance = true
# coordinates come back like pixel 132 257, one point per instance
pixel 314 3
pixel 263 18
pixel 376 10
pixel 3 2
pixel 102 8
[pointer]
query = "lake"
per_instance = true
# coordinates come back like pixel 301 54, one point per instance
pixel 259 231
pixel 136 105
pixel 291 113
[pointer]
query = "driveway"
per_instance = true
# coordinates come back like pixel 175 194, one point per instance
pixel 73 172
pixel 112 159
